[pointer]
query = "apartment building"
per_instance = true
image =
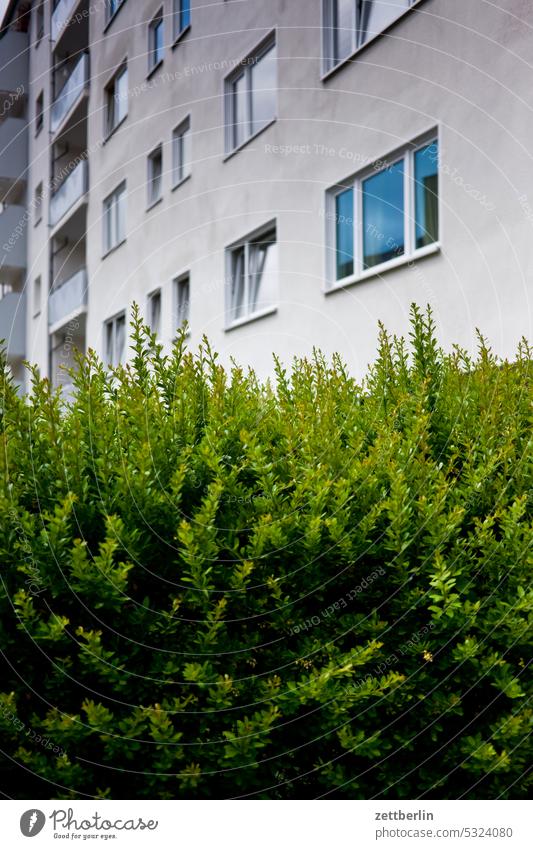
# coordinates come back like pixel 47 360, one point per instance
pixel 279 175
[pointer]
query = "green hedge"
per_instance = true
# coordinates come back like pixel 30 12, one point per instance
pixel 213 587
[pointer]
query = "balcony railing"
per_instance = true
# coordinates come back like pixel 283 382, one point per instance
pixel 68 298
pixel 70 191
pixel 13 323
pixel 14 64
pixel 71 91
pixel 13 149
pixel 62 13
pixel 13 228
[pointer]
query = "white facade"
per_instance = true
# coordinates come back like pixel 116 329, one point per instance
pixel 159 208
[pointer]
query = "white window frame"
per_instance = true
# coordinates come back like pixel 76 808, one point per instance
pixel 244 69
pixel 154 62
pixel 112 322
pixel 181 152
pixel 152 198
pixel 407 153
pixel 245 243
pixel 110 94
pixel 155 293
pixel 179 321
pixel 177 11
pixel 327 33
pixel 111 206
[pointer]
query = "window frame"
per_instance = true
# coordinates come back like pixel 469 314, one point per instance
pixel 184 276
pixel 38 200
pixel 243 69
pixel 112 320
pixel 178 132
pixel 111 85
pixel 39 22
pixel 150 199
pixel 108 17
pixel 158 19
pixel 37 297
pixel 411 253
pixel 177 12
pixel 155 293
pixel 245 242
pixel 39 113
pixel 119 190
pixel 326 31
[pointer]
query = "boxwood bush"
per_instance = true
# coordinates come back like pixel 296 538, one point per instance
pixel 309 587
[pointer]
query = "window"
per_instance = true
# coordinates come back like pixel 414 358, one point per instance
pixel 251 96
pixel 384 213
pixel 155 41
pixel 116 100
pixel 182 294
pixel 39 113
pixel 426 196
pixel 154 311
pixel 349 24
pixel 181 152
pixel 38 203
pixel 155 175
pixel 182 16
pixel 36 297
pixel 39 21
pixel 112 7
pixel 252 271
pixel 115 339
pixel 115 218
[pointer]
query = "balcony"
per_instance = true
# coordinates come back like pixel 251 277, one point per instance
pixel 13 324
pixel 69 192
pixel 67 299
pixel 62 14
pixel 13 153
pixel 66 12
pixel 13 228
pixel 71 92
pixel 14 62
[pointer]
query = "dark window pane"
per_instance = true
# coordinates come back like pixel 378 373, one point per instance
pixel 237 283
pixel 185 14
pixel 383 216
pixel 344 228
pixel 427 195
